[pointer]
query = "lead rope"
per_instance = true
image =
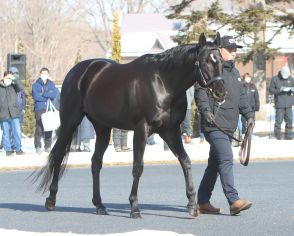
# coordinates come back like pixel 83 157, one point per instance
pixel 244 152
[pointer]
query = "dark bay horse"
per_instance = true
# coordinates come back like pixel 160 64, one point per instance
pixel 147 95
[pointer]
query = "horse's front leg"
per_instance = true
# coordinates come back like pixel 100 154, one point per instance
pixel 102 141
pixel 139 142
pixel 172 136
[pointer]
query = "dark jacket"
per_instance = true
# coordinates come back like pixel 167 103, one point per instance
pixel 226 114
pixel 9 106
pixel 252 94
pixel 282 99
pixel 22 100
pixel 42 92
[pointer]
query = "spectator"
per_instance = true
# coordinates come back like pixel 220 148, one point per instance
pixel 10 113
pixel 43 90
pixel 21 95
pixel 120 140
pixel 282 86
pixel 84 133
pixel 253 98
pixel 186 124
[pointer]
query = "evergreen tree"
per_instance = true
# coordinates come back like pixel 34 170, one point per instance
pixel 78 56
pixel 28 127
pixel 250 22
pixel 115 39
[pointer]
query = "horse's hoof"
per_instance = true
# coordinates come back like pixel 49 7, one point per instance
pixel 136 215
pixel 49 204
pixel 101 211
pixel 193 211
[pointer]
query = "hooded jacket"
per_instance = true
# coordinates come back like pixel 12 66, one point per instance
pixel 227 113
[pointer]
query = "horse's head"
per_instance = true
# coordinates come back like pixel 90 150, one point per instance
pixel 209 66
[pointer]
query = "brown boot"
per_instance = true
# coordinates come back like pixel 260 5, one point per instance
pixel 207 208
pixel 238 206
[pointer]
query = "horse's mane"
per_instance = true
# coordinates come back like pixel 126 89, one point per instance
pixel 176 56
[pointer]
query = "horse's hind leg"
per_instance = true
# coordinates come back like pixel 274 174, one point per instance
pixel 139 142
pixel 172 136
pixel 57 154
pixel 102 142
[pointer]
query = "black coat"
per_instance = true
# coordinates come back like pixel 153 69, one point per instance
pixel 252 94
pixel 226 114
pixel 9 105
pixel 282 99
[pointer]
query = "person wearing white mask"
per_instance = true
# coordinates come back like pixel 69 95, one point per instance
pixel 42 90
pixel 10 113
pixel 282 87
pixel 253 97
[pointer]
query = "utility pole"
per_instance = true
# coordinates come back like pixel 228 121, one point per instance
pixel 259 64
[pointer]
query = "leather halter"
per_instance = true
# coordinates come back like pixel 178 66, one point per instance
pixel 203 82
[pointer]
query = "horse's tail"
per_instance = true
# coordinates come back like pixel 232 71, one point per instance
pixel 71 115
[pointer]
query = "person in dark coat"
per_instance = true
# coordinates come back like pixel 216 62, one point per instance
pixel 10 113
pixel 226 115
pixel 282 87
pixel 21 95
pixel 42 90
pixel 253 97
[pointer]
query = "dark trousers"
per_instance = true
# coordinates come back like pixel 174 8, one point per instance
pixel 40 133
pixel 283 114
pixel 220 162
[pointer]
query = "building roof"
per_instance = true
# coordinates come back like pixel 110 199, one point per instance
pixel 146 33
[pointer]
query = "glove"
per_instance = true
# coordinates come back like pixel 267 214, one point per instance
pixel 250 121
pixel 209 117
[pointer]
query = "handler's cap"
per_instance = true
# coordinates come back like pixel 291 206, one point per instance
pixel 229 42
pixel 13 70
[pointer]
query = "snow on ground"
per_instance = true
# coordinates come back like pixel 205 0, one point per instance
pixel 134 233
pixel 262 148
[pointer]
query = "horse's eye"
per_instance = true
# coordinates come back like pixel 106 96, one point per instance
pixel 213 57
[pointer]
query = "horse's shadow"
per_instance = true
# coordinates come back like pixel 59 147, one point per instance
pixel 114 209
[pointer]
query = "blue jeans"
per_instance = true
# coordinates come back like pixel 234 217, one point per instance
pixel 14 125
pixel 220 162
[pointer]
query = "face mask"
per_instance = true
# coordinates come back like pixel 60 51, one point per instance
pixel 44 78
pixel 247 79
pixel 7 82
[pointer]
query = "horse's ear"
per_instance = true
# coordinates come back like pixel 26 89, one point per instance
pixel 217 40
pixel 202 40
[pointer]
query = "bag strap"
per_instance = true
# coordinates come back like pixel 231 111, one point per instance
pixel 50 106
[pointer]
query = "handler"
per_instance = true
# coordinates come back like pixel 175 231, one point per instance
pixel 220 159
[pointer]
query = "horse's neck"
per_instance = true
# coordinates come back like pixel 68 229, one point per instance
pixel 178 80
